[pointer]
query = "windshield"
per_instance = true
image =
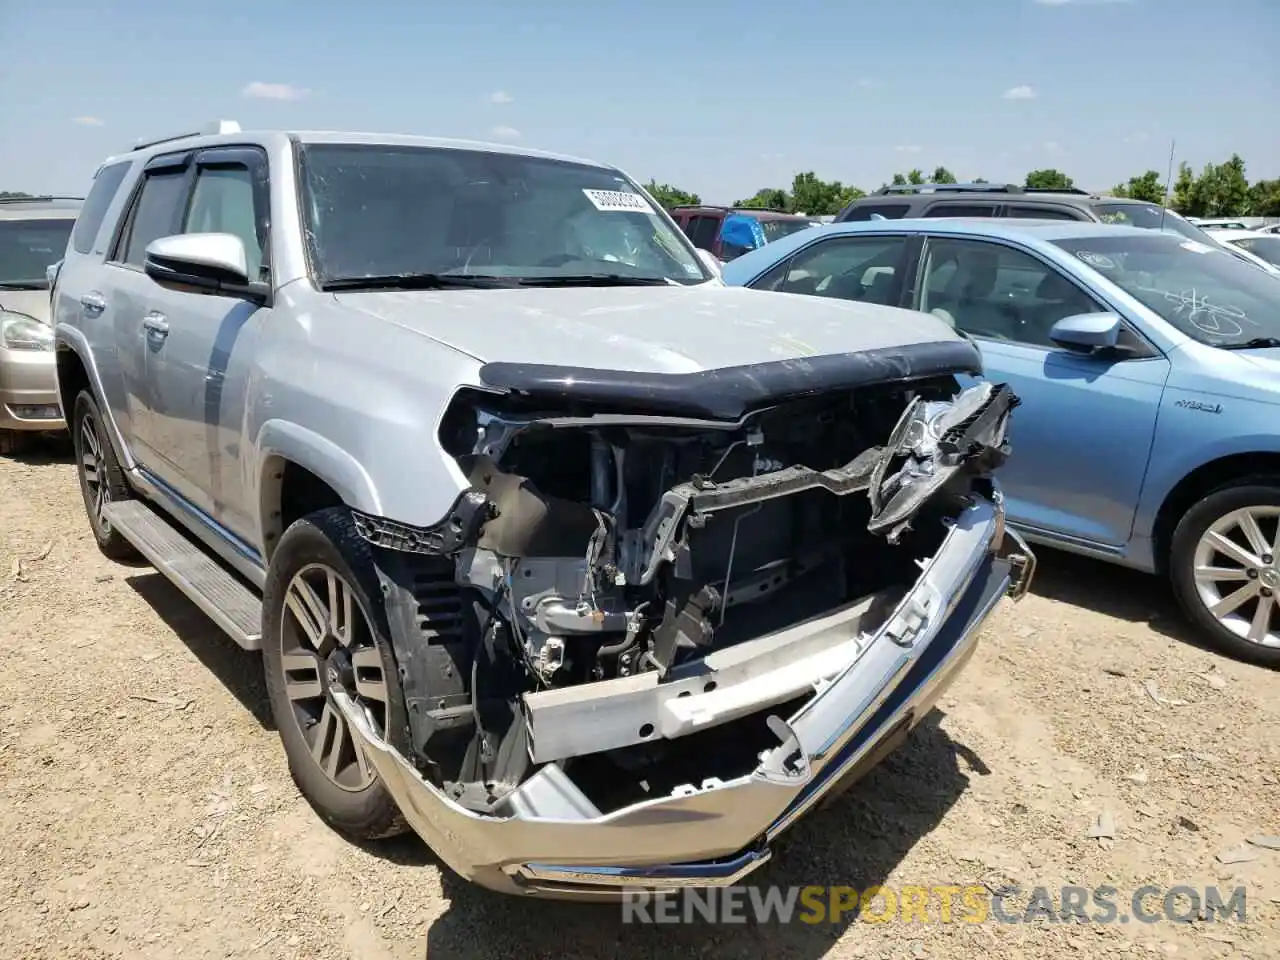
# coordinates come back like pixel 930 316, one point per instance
pixel 1148 217
pixel 1265 248
pixel 28 246
pixel 381 211
pixel 777 229
pixel 1202 290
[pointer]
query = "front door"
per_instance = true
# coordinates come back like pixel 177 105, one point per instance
pixel 1082 437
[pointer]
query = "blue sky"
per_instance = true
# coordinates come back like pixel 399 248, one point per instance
pixel 720 98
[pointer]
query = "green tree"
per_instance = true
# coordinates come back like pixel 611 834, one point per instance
pixel 942 175
pixel 915 176
pixel 1146 187
pixel 1049 179
pixel 1185 199
pixel 670 196
pixel 13 194
pixel 1264 199
pixel 768 198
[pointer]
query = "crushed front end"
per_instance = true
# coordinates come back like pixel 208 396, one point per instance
pixel 662 622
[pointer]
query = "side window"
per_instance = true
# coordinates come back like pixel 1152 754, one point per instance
pixel 871 211
pixel 155 214
pixel 94 208
pixel 961 210
pixel 993 291
pixel 848 268
pixel 222 201
pixel 702 230
pixel 1041 213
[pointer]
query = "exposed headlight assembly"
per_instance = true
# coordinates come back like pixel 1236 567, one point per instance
pixel 20 332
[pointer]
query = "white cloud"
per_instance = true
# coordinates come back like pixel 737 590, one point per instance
pixel 870 83
pixel 274 91
pixel 87 121
pixel 500 96
pixel 907 148
pixel 1052 147
pixel 1138 138
pixel 1022 92
pixel 505 133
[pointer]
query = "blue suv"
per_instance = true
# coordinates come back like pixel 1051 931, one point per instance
pixel 1148 364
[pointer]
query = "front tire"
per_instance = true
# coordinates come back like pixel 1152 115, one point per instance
pixel 1225 569
pixel 101 477
pixel 323 624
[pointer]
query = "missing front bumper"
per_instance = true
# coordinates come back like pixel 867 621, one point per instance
pixel 555 842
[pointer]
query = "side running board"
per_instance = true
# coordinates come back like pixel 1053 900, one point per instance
pixel 231 604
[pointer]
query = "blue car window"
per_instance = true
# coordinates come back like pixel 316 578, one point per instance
pixel 994 292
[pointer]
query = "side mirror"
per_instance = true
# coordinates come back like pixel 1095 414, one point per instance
pixel 1087 332
pixel 709 261
pixel 213 263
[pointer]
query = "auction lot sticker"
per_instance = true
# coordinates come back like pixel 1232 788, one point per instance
pixel 618 201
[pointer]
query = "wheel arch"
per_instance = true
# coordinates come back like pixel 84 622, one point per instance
pixel 299 472
pixel 1201 481
pixel 75 370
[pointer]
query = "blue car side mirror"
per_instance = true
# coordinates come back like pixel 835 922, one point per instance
pixel 1087 332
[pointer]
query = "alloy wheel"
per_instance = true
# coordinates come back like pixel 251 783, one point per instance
pixel 1237 573
pixel 93 470
pixel 326 644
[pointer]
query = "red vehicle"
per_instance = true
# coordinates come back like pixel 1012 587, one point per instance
pixel 702 224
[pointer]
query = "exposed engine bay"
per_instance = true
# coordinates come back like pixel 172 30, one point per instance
pixel 601 566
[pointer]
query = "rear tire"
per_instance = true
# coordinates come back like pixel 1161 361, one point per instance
pixel 101 478
pixel 323 622
pixel 1232 538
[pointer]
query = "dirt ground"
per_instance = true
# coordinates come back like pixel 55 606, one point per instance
pixel 145 809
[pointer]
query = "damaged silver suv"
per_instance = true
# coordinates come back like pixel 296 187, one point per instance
pixel 594 572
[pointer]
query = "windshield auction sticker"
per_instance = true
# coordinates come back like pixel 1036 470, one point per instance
pixel 618 201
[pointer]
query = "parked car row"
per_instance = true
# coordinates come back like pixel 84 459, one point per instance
pixel 594 561
pixel 1148 364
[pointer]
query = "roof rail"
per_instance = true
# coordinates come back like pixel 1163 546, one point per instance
pixel 949 188
pixel 43 198
pixel 1075 190
pixel 208 129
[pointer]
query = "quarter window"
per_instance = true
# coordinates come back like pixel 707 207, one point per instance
pixel 94 209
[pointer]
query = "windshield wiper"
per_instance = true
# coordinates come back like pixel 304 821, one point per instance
pixel 594 280
pixel 417 281
pixel 1257 343
pixel 24 285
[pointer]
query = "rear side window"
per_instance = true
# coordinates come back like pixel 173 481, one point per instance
pixel 1041 213
pixel 154 214
pixel 94 208
pixel 890 211
pixel 961 210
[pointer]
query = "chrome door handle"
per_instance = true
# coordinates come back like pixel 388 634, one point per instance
pixel 92 303
pixel 156 323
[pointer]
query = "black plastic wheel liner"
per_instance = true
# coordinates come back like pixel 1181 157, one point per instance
pixel 727 393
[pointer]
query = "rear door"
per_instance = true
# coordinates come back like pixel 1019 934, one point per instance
pixel 1082 437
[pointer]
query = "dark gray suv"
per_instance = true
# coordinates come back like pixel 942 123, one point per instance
pixel 1009 200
